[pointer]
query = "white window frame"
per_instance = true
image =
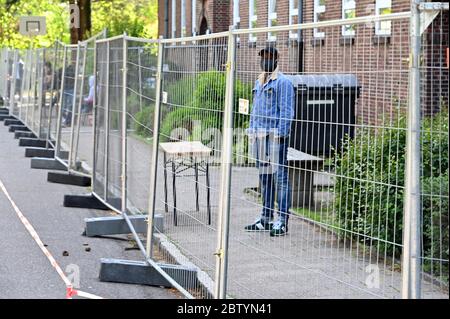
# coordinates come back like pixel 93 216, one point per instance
pixel 318 9
pixel 194 17
pixel 236 17
pixel 382 4
pixel 271 15
pixel 183 18
pixel 174 18
pixel 252 17
pixel 292 14
pixel 348 5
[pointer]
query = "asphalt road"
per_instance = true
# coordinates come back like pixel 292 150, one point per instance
pixel 25 272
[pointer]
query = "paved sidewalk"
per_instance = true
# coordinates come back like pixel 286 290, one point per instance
pixel 24 270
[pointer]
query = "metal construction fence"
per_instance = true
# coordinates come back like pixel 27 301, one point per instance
pixel 339 151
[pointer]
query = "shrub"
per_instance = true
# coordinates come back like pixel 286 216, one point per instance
pixel 201 99
pixel 369 187
pixel 144 121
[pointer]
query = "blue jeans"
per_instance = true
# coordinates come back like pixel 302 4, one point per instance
pixel 271 160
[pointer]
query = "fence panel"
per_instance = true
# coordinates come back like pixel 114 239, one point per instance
pixel 100 113
pixel 329 157
pixel 5 74
pixel 188 167
pixel 81 145
pixel 16 78
pixel 66 103
pixel 109 140
pixel 22 87
pixel 434 137
pixel 141 61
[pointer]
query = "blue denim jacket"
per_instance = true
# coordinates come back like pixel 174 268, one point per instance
pixel 273 105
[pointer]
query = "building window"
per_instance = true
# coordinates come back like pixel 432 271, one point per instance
pixel 236 18
pixel 252 19
pixel 348 12
pixel 194 17
pixel 183 18
pixel 383 7
pixel 174 18
pixel 293 14
pixel 272 19
pixel 319 10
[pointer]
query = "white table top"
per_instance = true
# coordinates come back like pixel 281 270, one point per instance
pixel 186 149
pixel 296 155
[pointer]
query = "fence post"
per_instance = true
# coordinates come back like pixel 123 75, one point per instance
pixel 105 189
pixel 61 101
pixel 124 125
pixel 154 162
pixel 94 119
pixel 412 204
pixel 74 102
pixel 12 87
pixel 225 184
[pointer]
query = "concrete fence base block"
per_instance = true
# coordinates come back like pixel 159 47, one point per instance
pixel 28 134
pixel 84 201
pixel 4 117
pixel 39 152
pixel 13 128
pixel 141 273
pixel 115 225
pixel 47 163
pixel 9 122
pixel 33 142
pixel 68 179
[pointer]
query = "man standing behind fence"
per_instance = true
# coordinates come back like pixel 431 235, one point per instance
pixel 270 124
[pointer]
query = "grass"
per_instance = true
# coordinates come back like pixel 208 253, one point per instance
pixel 322 217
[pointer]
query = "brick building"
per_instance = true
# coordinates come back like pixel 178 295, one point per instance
pixel 376 53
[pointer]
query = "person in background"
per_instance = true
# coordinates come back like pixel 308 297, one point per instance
pixel 88 101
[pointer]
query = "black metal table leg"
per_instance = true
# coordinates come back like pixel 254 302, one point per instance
pixel 166 206
pixel 208 190
pixel 174 194
pixel 197 206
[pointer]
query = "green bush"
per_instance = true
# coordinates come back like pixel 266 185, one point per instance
pixel 202 99
pixel 369 188
pixel 144 121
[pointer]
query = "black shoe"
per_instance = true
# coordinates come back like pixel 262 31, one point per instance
pixel 259 225
pixel 279 229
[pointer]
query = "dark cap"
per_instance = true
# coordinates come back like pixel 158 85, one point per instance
pixel 269 49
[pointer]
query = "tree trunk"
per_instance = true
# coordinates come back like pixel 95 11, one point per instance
pixel 84 31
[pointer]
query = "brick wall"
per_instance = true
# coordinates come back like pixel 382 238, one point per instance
pixel 380 63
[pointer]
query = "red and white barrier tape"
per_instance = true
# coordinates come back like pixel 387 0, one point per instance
pixel 70 291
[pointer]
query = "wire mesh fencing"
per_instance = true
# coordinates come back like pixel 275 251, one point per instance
pixel 272 162
pixel 141 65
pixel 66 102
pixel 6 59
pixel 317 164
pixel 81 140
pixel 434 136
pixel 109 137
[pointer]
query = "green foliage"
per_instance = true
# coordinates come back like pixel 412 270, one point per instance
pixel 57 20
pixel 138 18
pixel 369 187
pixel 200 100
